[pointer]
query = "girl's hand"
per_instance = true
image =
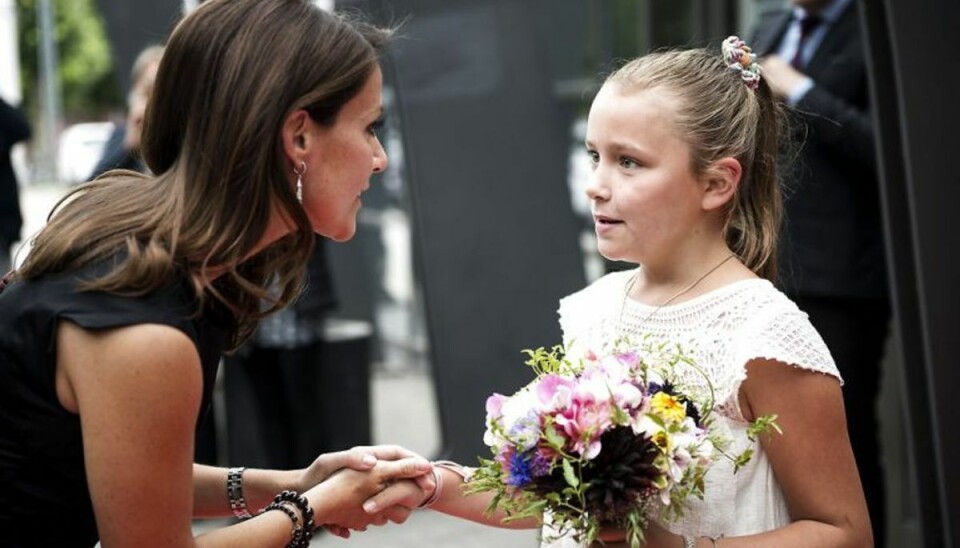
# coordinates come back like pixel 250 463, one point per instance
pixel 656 537
pixel 394 514
pixel 612 538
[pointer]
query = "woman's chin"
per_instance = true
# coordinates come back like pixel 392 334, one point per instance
pixel 342 234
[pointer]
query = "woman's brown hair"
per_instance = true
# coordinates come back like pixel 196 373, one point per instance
pixel 720 116
pixel 231 72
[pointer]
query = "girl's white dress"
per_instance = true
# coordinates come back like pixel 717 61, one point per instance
pixel 722 330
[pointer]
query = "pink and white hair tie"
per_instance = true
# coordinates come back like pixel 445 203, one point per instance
pixel 738 56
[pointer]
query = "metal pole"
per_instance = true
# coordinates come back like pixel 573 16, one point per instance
pixel 9 58
pixel 46 166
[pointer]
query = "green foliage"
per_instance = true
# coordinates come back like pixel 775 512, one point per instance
pixel 87 76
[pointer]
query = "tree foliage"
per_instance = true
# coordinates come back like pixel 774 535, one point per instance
pixel 88 79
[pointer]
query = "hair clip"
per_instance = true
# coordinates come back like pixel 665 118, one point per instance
pixel 738 56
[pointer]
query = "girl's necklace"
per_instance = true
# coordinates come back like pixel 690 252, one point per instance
pixel 633 280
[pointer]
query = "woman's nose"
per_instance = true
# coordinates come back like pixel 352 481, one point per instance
pixel 380 160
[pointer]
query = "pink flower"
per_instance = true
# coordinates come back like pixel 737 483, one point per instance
pixel 553 391
pixel 584 421
pixel 495 406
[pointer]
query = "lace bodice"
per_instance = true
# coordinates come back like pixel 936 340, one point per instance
pixel 722 331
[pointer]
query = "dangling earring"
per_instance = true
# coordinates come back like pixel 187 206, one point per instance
pixel 299 171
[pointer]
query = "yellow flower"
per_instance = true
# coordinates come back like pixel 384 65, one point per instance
pixel 661 440
pixel 668 407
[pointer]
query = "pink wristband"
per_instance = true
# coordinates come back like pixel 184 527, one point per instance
pixel 438 480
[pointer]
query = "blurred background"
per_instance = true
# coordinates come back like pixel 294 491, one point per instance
pixel 480 225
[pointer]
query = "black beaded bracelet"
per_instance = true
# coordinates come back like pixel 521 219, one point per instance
pixel 297 538
pixel 303 505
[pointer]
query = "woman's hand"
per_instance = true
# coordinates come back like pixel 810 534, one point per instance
pixel 358 458
pixel 339 499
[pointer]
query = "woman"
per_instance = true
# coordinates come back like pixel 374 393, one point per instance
pixel 260 133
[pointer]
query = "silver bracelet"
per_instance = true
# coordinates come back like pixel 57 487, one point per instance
pixel 689 542
pixel 238 504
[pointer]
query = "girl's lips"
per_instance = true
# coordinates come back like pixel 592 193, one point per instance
pixel 605 224
pixel 601 219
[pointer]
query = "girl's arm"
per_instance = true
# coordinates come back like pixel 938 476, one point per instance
pixel 137 390
pixel 452 500
pixel 812 460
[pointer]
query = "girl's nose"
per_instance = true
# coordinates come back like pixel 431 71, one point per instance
pixel 596 190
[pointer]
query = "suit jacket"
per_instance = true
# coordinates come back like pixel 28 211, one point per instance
pixel 832 245
pixel 115 156
pixel 13 129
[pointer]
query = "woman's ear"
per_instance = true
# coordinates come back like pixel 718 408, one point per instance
pixel 294 134
pixel 720 183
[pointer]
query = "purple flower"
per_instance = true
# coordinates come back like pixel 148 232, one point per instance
pixel 518 468
pixel 541 462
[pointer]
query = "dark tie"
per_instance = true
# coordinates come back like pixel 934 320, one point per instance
pixel 807 26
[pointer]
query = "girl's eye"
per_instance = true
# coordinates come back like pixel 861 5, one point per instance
pixel 594 156
pixel 628 163
pixel 375 126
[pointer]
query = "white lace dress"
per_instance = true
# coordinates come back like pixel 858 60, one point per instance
pixel 722 330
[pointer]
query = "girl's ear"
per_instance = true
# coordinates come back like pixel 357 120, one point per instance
pixel 294 134
pixel 720 183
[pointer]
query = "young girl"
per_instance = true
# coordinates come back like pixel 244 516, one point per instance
pixel 684 148
pixel 261 131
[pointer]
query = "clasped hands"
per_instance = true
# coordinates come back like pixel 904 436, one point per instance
pixel 367 485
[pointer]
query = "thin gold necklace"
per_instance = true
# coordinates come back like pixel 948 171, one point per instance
pixel 633 280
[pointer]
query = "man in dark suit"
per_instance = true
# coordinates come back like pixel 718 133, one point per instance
pixel 832 261
pixel 122 150
pixel 13 129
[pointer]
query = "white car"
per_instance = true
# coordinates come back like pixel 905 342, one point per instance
pixel 81 146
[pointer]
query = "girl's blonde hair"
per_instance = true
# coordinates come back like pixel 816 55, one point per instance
pixel 720 116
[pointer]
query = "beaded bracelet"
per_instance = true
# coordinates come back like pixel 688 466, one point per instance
pixel 297 539
pixel 305 510
pixel 238 504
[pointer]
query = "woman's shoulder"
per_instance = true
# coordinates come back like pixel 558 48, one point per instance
pixel 68 295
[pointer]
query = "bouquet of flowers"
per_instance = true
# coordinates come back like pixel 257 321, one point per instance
pixel 606 442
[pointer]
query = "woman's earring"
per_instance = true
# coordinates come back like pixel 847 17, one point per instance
pixel 299 171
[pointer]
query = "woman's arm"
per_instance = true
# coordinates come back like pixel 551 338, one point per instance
pixel 260 486
pixel 137 390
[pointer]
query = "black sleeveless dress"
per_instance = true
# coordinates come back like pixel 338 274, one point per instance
pixel 44 498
